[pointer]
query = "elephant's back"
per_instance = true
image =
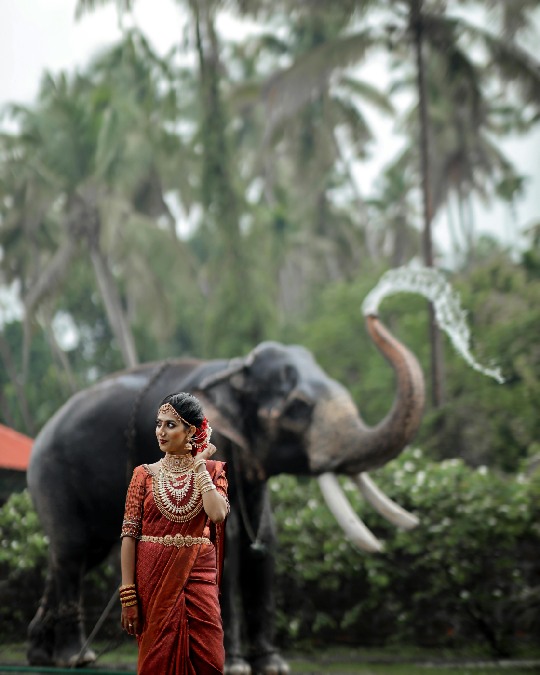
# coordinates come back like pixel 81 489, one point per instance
pixel 87 436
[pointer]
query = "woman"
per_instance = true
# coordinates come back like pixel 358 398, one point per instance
pixel 172 548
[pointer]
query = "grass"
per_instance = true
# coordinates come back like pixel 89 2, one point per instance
pixel 336 668
pixel 339 661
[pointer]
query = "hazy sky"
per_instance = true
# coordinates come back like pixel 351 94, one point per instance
pixel 42 34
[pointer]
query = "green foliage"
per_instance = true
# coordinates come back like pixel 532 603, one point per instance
pixel 467 572
pixel 23 561
pixel 23 554
pixel 48 386
pixel 22 544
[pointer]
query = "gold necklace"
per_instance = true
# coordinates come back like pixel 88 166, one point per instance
pixel 171 486
pixel 178 463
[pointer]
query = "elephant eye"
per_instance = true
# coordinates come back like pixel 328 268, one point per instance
pixel 297 415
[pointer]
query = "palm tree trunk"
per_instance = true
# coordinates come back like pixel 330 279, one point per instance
pixel 113 308
pixel 360 203
pixel 85 222
pixel 5 411
pixel 11 369
pixel 416 24
pixel 456 248
pixel 58 353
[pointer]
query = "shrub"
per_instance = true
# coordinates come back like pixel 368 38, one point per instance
pixel 469 571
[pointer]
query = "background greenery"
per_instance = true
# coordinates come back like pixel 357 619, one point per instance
pixel 150 208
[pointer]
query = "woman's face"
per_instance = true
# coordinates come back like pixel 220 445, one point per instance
pixel 172 434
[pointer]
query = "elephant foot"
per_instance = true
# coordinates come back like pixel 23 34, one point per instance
pixel 66 658
pixel 40 646
pixel 39 656
pixel 270 664
pixel 69 638
pixel 237 666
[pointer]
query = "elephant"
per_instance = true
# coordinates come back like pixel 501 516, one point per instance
pixel 273 411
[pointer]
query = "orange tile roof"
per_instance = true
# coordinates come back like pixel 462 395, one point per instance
pixel 14 449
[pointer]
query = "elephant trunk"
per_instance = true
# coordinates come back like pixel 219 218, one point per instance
pixel 341 442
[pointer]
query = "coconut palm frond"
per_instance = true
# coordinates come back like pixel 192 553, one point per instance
pixel 356 123
pixel 368 93
pixel 86 6
pixel 243 96
pixel 52 275
pixel 514 16
pixel 513 63
pixel 286 92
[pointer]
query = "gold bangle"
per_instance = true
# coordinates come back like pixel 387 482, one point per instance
pixel 129 604
pixel 197 464
pixel 202 477
pixel 126 586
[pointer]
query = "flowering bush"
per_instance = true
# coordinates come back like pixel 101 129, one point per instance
pixel 469 571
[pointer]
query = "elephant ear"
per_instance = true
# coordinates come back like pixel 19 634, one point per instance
pixel 236 374
pixel 219 423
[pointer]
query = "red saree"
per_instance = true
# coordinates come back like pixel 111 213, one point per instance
pixel 177 585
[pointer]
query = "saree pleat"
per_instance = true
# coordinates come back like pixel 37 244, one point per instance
pixel 178 591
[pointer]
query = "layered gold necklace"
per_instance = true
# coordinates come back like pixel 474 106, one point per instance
pixel 175 492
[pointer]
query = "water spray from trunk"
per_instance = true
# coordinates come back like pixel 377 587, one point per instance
pixel 431 284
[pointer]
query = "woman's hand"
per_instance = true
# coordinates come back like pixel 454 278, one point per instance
pixel 130 619
pixel 214 504
pixel 206 453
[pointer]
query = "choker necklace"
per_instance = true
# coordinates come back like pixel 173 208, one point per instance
pixel 178 463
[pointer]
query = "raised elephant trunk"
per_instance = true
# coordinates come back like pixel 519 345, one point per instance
pixel 378 445
pixel 355 446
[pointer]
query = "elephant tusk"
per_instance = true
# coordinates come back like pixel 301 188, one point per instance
pixel 354 528
pixel 383 504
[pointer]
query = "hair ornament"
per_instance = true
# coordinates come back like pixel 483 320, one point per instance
pixel 167 408
pixel 201 437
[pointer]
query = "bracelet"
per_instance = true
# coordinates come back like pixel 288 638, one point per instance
pixel 126 586
pixel 204 482
pixel 128 595
pixel 202 477
pixel 197 464
pixel 126 602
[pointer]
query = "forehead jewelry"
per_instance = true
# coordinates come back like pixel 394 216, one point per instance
pixel 168 408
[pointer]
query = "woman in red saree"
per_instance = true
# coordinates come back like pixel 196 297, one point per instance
pixel 172 548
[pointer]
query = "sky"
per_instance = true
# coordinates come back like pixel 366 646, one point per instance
pixel 38 35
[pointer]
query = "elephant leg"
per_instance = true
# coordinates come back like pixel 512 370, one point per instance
pixel 258 596
pixel 69 630
pixel 40 646
pixel 235 664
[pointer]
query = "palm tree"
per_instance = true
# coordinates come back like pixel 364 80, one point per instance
pixel 393 214
pixel 416 26
pixel 223 260
pixel 301 162
pixel 82 168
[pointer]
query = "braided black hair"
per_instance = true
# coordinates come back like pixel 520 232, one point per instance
pixel 187 406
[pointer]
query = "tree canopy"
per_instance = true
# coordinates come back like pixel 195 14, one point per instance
pixel 150 208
